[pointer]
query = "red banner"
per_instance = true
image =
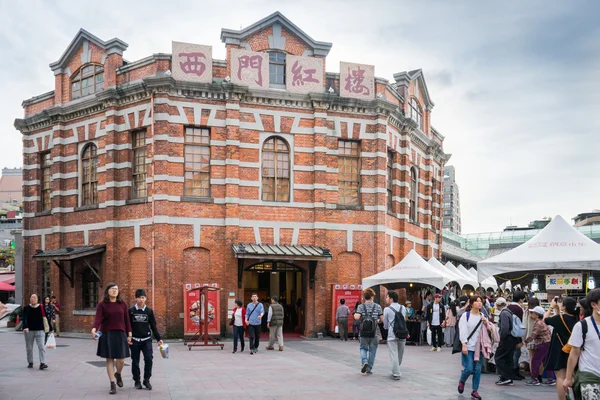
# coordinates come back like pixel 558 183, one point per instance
pixel 351 294
pixel 193 310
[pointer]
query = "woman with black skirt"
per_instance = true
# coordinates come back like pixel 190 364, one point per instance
pixel 112 329
pixel 49 316
pixel 565 318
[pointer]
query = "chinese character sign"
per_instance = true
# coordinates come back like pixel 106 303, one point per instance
pixel 192 62
pixel 304 74
pixel 249 68
pixel 357 81
pixel 563 281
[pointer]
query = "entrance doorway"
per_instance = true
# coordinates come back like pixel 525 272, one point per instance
pixel 278 278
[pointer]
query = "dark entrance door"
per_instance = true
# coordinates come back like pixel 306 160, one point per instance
pixel 282 279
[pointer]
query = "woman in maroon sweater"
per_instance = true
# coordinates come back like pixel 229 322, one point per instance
pixel 112 321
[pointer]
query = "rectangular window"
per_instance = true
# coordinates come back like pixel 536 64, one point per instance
pixel 138 165
pixel 45 280
pixel 277 68
pixel 197 162
pixel 348 173
pixel 45 163
pixel 390 179
pixel 89 287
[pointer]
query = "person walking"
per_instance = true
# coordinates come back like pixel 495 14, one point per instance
pixel 56 321
pixel 585 352
pixel 565 318
pixel 355 323
pixel 450 324
pixel 395 345
pixel 114 334
pixel 49 311
pixel 275 319
pixel 369 314
pixel 516 307
pixel 254 314
pixel 474 330
pixel 506 347
pixel 238 320
pixel 341 317
pixel 540 338
pixel 435 316
pixel 143 326
pixel 34 330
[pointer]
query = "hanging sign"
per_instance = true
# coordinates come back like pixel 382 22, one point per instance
pixel 564 281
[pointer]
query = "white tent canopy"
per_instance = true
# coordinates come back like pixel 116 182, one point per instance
pixel 451 276
pixel 412 269
pixel 486 283
pixel 466 273
pixel 558 246
pixel 468 279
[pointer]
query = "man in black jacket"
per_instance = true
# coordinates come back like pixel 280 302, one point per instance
pixel 436 314
pixel 143 326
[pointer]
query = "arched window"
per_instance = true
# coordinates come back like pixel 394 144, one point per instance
pixel 276 68
pixel 89 175
pixel 275 170
pixel 88 80
pixel 415 112
pixel 414 195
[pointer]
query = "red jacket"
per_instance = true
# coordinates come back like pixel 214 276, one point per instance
pixel 243 316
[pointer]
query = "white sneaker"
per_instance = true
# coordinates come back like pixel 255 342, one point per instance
pixel 439 349
pixel 433 349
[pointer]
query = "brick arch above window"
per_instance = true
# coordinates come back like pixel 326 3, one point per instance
pixel 87 80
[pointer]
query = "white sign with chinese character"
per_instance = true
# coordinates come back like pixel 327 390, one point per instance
pixel 192 62
pixel 357 81
pixel 304 74
pixel 564 281
pixel 249 68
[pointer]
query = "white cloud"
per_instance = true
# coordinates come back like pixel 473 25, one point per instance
pixel 516 84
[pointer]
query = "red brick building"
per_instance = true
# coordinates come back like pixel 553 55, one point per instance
pixel 135 175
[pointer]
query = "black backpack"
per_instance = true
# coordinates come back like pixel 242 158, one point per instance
pixel 368 325
pixel 399 328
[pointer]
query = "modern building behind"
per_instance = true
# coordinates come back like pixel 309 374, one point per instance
pixel 259 173
pixel 451 206
pixel 588 219
pixel 11 185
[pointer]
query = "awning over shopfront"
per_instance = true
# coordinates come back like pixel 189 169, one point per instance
pixel 412 269
pixel 558 246
pixel 58 256
pixel 5 287
pixel 281 252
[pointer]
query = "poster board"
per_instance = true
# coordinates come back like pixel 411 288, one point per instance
pixel 192 313
pixel 352 294
pixel 564 281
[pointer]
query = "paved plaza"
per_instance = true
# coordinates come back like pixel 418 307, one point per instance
pixel 315 369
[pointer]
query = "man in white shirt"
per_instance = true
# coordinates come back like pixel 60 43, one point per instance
pixel 435 316
pixel 395 345
pixel 586 351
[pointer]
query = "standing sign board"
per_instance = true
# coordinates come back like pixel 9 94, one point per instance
pixel 193 310
pixel 350 293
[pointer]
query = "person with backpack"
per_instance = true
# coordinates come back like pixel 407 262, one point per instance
pixel 563 322
pixel 585 352
pixel 474 333
pixel 394 320
pixel 517 308
pixel 369 314
pixel 508 343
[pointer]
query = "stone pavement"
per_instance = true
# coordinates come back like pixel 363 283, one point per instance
pixel 315 369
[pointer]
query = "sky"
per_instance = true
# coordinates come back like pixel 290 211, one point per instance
pixel 516 84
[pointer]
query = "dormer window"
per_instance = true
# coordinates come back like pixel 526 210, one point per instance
pixel 415 112
pixel 277 68
pixel 88 80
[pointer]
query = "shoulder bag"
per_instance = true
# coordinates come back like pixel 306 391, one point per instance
pixel 457 345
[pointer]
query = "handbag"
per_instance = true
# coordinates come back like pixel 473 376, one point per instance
pixel 566 348
pixel 457 345
pixel 45 320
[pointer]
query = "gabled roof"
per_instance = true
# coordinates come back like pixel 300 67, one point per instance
pixel 114 45
pixel 231 36
pixel 404 78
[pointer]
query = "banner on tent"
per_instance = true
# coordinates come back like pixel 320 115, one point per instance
pixel 564 281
